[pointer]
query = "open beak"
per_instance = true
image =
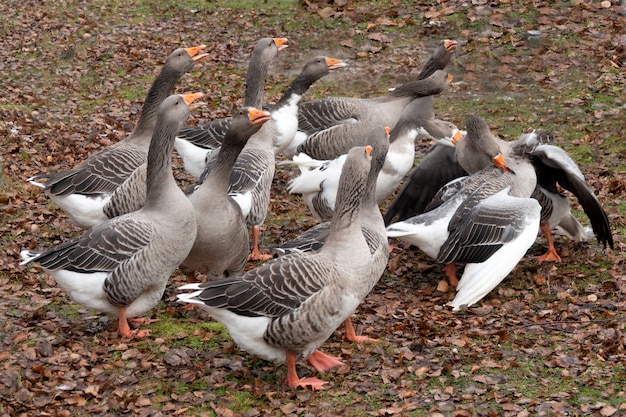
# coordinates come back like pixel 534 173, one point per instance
pixel 258 117
pixel 450 45
pixel 281 43
pixel 334 63
pixel 190 98
pixel 194 52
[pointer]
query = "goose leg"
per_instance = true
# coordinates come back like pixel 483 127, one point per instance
pixel 256 254
pixel 450 269
pixel 551 255
pixel 323 362
pixel 124 329
pixel 292 376
pixel 351 334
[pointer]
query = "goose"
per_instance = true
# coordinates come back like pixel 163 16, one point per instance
pixel 194 143
pixel 313 238
pixel 350 119
pixel 121 267
pixel 285 309
pixel 251 179
pixel 551 164
pixel 487 220
pixel 83 190
pixel 440 58
pixel 327 127
pixel 222 243
pixel 554 168
pixel 129 196
pixel 318 185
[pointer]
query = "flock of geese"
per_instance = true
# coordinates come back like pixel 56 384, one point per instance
pixel 474 200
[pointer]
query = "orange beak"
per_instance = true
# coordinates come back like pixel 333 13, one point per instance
pixel 334 63
pixel 499 162
pixel 194 50
pixel 281 43
pixel 258 117
pixel 457 137
pixel 189 98
pixel 450 45
pixel 368 150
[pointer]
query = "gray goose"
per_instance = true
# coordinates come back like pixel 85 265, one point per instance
pixel 318 184
pixel 285 309
pixel 371 221
pixel 327 127
pixel 487 220
pixel 83 190
pixel 350 119
pixel 121 267
pixel 222 244
pixel 195 143
pixel 129 196
pixel 554 167
pixel 251 179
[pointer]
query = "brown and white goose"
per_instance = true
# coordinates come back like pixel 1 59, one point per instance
pixel 251 179
pixel 195 143
pixel 487 220
pixel 222 244
pixel 121 267
pixel 371 221
pixel 329 127
pixel 285 309
pixel 317 182
pixel 82 191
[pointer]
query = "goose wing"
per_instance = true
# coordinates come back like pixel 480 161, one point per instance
pixel 320 114
pixel 485 225
pixel 102 248
pixel 100 173
pixel 208 136
pixel 275 289
pixel 554 166
pixel 438 167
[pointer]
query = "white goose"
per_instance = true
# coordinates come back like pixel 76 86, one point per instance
pixel 121 267
pixel 487 220
pixel 251 179
pixel 285 309
pixel 83 190
pixel 317 181
pixel 195 143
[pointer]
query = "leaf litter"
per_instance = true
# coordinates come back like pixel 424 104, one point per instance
pixel 548 341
